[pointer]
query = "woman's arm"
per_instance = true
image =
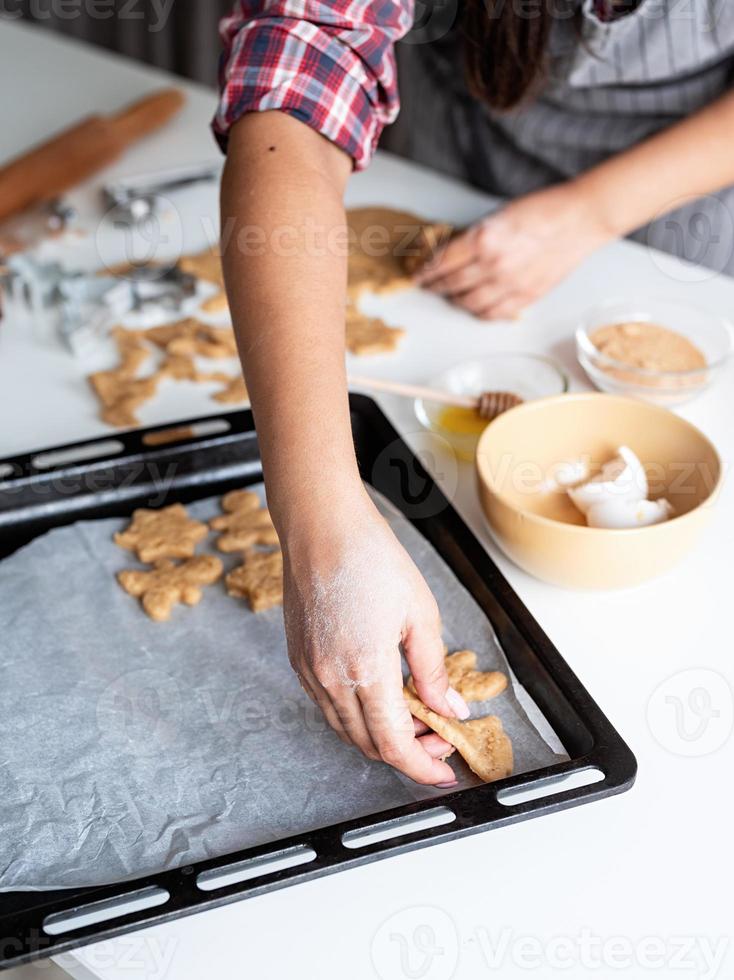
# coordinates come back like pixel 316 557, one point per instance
pixel 352 595
pixel 688 160
pixel 515 256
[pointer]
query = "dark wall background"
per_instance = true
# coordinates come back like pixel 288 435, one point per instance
pixel 185 41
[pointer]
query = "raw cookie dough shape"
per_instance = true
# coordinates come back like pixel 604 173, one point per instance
pixel 207 265
pixel 182 367
pixel 370 335
pixel 244 524
pixel 481 742
pixel 168 583
pixel 119 391
pixel 431 239
pixel 386 247
pixel 184 340
pixel 259 580
pixel 121 397
pixel 217 303
pixel 233 392
pixel 472 684
pixel 206 341
pixel 191 337
pixel 165 533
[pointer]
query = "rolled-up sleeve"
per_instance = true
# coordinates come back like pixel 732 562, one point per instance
pixel 331 65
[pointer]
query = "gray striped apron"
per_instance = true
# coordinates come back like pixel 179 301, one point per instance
pixel 609 86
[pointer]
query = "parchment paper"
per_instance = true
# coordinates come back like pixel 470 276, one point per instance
pixel 129 746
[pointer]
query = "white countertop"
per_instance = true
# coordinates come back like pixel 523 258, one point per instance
pixel 636 884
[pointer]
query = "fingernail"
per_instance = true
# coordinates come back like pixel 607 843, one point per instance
pixel 447 785
pixel 458 704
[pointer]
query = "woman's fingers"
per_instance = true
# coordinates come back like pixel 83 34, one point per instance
pixel 321 699
pixel 346 718
pixel 459 252
pixel 483 300
pixel 435 746
pixel 509 307
pixel 390 725
pixel 345 715
pixel 349 711
pixel 463 279
pixel 424 652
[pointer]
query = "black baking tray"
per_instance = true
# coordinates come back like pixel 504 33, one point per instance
pixel 110 477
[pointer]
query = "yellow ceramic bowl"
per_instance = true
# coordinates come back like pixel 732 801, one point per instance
pixel 540 529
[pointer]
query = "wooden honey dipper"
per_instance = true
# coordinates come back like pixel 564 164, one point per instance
pixel 488 405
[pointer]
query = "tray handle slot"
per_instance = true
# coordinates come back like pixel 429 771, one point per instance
pixel 111 908
pixel 372 834
pixel 178 433
pixel 233 874
pixel 537 789
pixel 77 454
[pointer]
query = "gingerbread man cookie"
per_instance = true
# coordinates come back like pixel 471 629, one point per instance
pixel 168 583
pixel 165 533
pixel 244 524
pixel 207 265
pixel 473 684
pixel 481 742
pixel 259 580
pixel 367 335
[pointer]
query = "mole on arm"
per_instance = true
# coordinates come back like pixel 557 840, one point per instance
pixel 271 148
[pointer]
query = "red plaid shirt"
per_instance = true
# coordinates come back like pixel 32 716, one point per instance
pixel 329 64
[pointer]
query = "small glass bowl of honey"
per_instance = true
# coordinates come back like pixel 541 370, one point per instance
pixel 528 375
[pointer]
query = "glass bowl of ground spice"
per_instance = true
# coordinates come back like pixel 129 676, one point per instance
pixel 658 349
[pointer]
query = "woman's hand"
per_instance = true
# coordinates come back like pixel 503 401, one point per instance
pixel 516 255
pixel 352 597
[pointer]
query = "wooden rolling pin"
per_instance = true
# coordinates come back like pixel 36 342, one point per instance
pixel 488 405
pixel 75 154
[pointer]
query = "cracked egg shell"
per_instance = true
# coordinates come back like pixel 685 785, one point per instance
pixel 622 478
pixel 620 514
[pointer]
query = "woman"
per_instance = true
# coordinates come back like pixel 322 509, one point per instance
pixel 599 119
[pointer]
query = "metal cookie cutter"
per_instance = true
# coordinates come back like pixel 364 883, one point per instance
pixel 90 304
pixel 137 198
pixel 81 306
